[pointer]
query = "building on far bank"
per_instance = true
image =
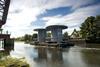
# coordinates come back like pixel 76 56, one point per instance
pixel 75 34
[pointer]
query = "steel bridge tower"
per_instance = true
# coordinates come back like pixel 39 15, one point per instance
pixel 4 6
pixel 5 39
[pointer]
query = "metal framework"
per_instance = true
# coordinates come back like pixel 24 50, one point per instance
pixel 4 6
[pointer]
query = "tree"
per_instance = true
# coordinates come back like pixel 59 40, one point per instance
pixel 48 34
pixel 90 27
pixel 27 37
pixel 98 25
pixel 65 35
pixel 87 27
pixel 34 37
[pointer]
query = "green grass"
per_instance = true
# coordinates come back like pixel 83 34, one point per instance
pixel 12 62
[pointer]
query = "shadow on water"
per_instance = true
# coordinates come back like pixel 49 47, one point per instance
pixel 56 55
pixel 51 57
pixel 91 57
pixel 42 54
pixel 56 59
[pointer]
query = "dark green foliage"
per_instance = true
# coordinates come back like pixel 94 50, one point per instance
pixel 19 39
pixel 2 54
pixel 98 25
pixel 91 28
pixel 65 35
pixel 48 34
pixel 27 38
pixel 34 36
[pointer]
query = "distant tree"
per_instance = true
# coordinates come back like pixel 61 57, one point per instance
pixel 19 39
pixel 34 37
pixel 48 34
pixel 27 37
pixel 65 35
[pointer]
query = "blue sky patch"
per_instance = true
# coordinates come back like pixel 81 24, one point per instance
pixel 38 22
pixel 56 11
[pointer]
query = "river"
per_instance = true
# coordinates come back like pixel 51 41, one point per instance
pixel 53 57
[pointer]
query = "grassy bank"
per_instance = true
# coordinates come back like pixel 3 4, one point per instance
pixel 12 62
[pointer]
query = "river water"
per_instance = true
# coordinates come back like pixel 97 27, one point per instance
pixel 53 57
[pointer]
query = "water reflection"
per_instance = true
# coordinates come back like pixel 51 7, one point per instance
pixel 50 57
pixel 53 57
pixel 56 55
pixel 42 54
pixel 91 57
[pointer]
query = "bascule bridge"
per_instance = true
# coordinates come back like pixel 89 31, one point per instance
pixel 5 39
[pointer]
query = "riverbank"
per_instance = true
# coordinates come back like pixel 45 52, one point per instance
pixel 41 56
pixel 13 62
pixel 7 61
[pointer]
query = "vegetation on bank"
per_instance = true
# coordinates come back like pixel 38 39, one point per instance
pixel 12 62
pixel 27 38
pixel 7 61
pixel 90 28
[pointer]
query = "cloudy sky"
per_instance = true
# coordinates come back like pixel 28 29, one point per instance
pixel 26 15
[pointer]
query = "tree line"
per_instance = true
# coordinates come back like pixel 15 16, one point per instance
pixel 33 37
pixel 89 29
pixel 27 37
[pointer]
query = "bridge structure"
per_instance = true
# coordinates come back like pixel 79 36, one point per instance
pixel 4 37
pixel 56 33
